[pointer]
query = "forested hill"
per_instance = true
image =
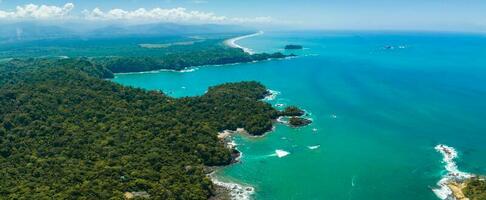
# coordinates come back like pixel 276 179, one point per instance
pixel 217 54
pixel 138 54
pixel 65 133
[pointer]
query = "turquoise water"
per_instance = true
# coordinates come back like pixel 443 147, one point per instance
pixel 378 112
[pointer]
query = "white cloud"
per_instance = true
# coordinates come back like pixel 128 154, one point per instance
pixel 141 15
pixel 168 15
pixel 32 11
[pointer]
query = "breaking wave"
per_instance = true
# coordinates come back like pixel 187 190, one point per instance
pixel 452 172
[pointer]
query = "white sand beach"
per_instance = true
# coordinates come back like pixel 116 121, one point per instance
pixel 232 42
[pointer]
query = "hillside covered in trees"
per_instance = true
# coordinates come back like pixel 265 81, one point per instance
pixel 128 54
pixel 65 133
pixel 217 55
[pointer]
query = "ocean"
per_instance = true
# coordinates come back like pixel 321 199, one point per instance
pixel 380 103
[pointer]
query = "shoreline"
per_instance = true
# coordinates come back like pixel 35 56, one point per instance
pixel 232 42
pixel 227 190
pixel 451 184
pixel 196 67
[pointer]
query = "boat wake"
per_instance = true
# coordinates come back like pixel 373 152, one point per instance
pixel 452 173
pixel 281 153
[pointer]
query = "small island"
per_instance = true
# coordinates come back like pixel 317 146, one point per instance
pixel 299 121
pixel 293 47
pixel 292 111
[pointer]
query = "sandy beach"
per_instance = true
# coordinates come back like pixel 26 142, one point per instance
pixel 232 42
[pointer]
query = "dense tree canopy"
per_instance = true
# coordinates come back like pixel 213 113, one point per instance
pixel 475 189
pixel 216 55
pixel 65 133
pixel 292 111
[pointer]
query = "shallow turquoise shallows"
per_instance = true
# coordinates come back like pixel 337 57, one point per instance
pixel 380 103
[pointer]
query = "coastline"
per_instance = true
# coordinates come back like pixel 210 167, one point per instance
pixel 453 181
pixel 225 190
pixel 236 191
pixel 232 42
pixel 196 67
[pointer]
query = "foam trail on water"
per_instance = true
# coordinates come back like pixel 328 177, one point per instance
pixel 353 182
pixel 281 153
pixel 449 153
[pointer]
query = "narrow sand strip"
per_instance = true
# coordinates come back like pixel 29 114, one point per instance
pixel 232 42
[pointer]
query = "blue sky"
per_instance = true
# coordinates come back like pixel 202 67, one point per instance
pixel 451 15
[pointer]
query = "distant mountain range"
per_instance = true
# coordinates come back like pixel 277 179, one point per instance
pixel 25 31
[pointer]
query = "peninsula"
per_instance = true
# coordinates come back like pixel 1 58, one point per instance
pixel 65 129
pixel 232 42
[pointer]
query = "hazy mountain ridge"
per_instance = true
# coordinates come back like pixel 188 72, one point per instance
pixel 25 31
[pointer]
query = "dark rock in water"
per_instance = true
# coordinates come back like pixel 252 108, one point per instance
pixel 235 156
pixel 298 121
pixel 293 46
pixel 292 111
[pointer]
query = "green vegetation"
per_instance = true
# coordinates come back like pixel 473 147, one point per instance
pixel 133 55
pixel 65 133
pixel 475 189
pixel 299 121
pixel 180 61
pixel 292 111
pixel 293 46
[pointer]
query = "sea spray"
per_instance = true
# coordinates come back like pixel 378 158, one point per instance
pixel 185 70
pixel 272 95
pixel 283 120
pixel 236 191
pixel 453 173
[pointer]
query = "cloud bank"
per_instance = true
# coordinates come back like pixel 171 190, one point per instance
pixel 32 11
pixel 142 15
pixel 167 15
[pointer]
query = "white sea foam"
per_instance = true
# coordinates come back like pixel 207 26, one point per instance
pixel 232 42
pixel 314 147
pixel 451 172
pixel 283 120
pixel 237 191
pixel 186 70
pixel 273 94
pixel 281 153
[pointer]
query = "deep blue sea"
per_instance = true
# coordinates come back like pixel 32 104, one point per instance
pixel 380 103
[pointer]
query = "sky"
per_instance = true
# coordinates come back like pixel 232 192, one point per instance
pixel 435 15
